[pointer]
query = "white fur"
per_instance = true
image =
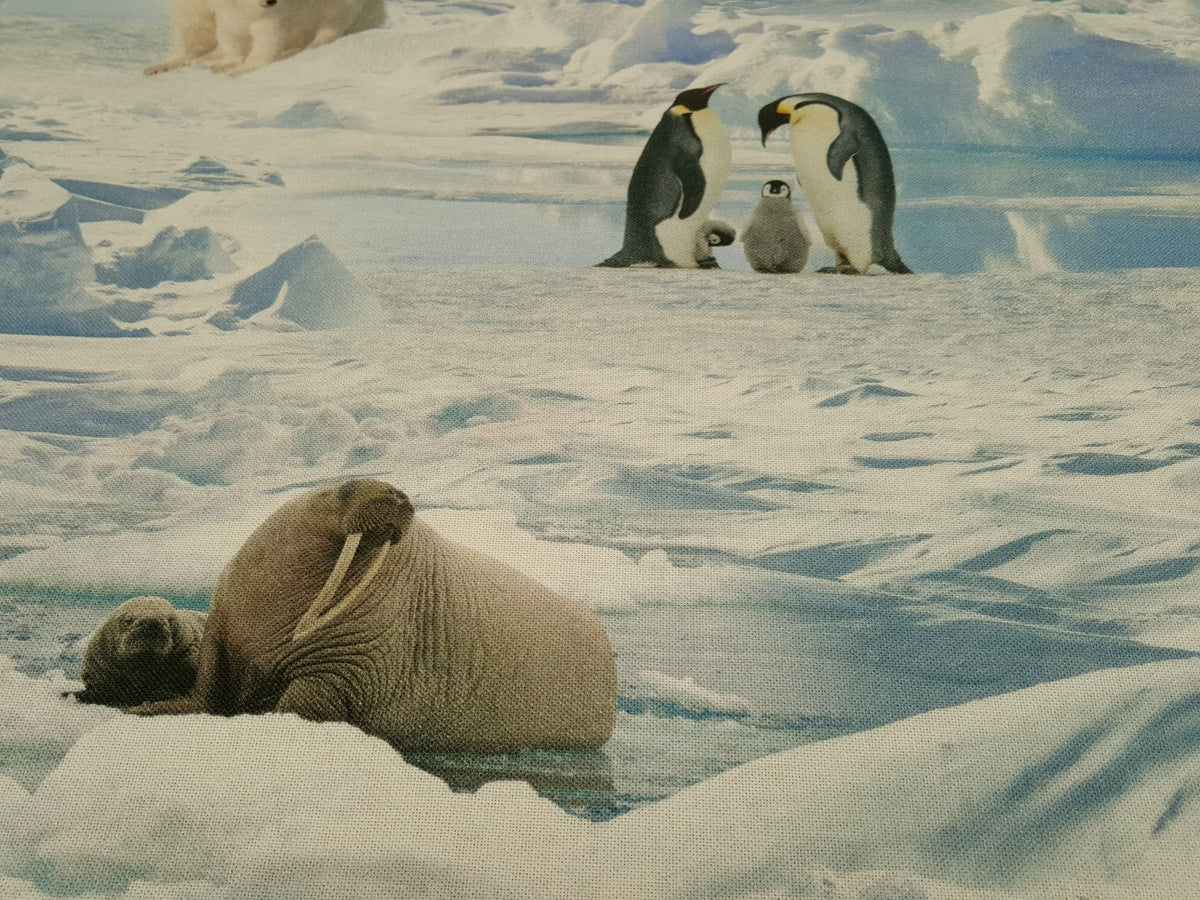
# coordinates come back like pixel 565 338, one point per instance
pixel 679 237
pixel 238 36
pixel 844 220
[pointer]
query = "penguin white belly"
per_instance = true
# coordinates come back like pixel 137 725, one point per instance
pixel 677 236
pixel 678 239
pixel 844 220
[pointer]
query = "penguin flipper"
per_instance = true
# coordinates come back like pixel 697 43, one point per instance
pixel 686 166
pixel 841 151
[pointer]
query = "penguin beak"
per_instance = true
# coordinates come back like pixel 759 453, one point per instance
pixel 771 117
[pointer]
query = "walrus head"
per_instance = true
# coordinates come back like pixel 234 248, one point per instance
pixel 372 514
pixel 145 628
pixel 146 637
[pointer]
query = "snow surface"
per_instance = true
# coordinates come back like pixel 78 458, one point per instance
pixel 902 573
pixel 1078 788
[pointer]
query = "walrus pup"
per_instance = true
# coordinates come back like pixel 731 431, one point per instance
pixel 343 606
pixel 146 650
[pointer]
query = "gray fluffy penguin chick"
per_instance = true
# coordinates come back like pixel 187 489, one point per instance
pixel 776 240
pixel 714 233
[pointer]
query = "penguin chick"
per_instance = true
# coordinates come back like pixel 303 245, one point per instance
pixel 843 165
pixel 675 184
pixel 714 233
pixel 776 240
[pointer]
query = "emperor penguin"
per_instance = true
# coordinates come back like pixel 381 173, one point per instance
pixel 675 184
pixel 842 163
pixel 775 240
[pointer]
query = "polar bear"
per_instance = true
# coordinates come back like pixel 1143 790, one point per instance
pixel 239 36
pixel 193 34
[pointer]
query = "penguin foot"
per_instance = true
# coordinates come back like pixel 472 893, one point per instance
pixel 707 263
pixel 838 270
pixel 623 260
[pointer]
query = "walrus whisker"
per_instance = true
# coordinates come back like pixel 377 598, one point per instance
pixel 321 603
pixel 315 617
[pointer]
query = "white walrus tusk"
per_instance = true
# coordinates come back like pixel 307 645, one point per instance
pixel 320 612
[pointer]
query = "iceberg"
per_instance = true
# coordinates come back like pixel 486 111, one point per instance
pixel 43 259
pixel 45 266
pixel 306 286
pixel 173 255
pixel 98 201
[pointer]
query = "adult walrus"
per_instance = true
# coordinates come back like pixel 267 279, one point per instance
pixel 343 606
pixel 146 650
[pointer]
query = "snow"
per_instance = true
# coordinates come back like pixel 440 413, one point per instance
pixel 901 573
pixel 39 727
pixel 172 256
pixel 44 262
pixel 1076 788
pixel 308 286
pixel 1032 794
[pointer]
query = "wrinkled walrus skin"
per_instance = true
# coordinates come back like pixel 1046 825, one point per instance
pixel 343 606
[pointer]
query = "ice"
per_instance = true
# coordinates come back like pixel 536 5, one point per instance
pixel 307 286
pixel 99 202
pixel 306 114
pixel 209 174
pixel 37 728
pixel 46 268
pixel 44 263
pixel 173 255
pixel 657 692
pixel 1079 786
pixel 662 32
pixel 132 792
pixel 867 536
pixel 1024 795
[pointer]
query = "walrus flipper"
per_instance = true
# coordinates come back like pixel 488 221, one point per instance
pixel 177 707
pixel 87 696
pixel 316 700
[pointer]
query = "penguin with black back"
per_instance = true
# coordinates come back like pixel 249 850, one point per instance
pixel 775 239
pixel 675 184
pixel 845 170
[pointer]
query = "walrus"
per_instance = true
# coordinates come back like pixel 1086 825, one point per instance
pixel 344 606
pixel 146 650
